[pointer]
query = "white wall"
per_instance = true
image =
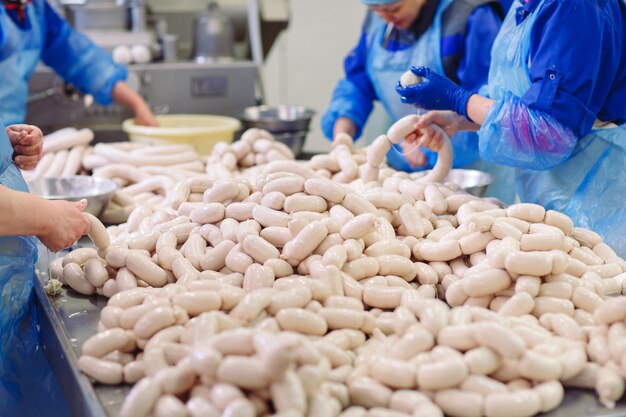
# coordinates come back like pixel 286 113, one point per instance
pixel 307 60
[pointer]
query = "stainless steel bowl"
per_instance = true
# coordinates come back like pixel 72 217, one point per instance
pixel 471 180
pixel 288 124
pixel 278 119
pixel 97 191
pixel 294 140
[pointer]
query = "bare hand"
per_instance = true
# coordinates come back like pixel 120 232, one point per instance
pixel 414 156
pixel 144 116
pixel 66 224
pixel 27 144
pixel 344 125
pixel 449 121
pixel 432 138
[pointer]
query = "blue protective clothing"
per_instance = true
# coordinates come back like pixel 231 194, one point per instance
pixel 27 385
pixel 549 89
pixel 506 4
pixel 375 65
pixel 435 92
pixel 46 36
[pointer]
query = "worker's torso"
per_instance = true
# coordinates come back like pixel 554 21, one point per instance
pixel 389 57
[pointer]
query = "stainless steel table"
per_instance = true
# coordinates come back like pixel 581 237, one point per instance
pixel 68 319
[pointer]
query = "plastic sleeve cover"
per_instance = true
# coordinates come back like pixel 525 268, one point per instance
pixel 515 135
pixel 78 60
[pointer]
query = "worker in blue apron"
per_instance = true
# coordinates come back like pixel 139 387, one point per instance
pixel 454 36
pixel 28 388
pixel 31 31
pixel 553 108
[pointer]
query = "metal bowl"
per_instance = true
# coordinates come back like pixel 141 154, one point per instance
pixel 288 124
pixel 294 140
pixel 97 191
pixel 471 180
pixel 278 119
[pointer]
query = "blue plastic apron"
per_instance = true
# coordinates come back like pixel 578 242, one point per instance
pixel 590 186
pixel 27 385
pixel 19 55
pixel 385 67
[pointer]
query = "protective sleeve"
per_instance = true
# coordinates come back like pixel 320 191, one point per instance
pixel 513 134
pixel 482 28
pixel 78 61
pixel 354 95
pixel 573 62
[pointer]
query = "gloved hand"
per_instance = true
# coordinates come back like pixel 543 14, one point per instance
pixel 436 92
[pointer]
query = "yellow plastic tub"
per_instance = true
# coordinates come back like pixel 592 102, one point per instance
pixel 200 130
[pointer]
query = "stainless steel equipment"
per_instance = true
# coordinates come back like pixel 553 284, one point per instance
pixel 168 87
pixel 214 36
pixel 288 124
pixel 471 180
pixel 97 191
pixel 211 87
pixel 97 16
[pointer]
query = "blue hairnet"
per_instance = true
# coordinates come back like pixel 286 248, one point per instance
pixel 516 135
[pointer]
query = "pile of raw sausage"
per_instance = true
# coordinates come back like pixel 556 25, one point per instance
pixel 303 288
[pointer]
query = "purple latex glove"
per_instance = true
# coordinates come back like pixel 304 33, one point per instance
pixel 436 92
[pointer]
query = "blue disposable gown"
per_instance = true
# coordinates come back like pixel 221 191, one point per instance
pixel 372 70
pixel 558 76
pixel 28 388
pixel 45 35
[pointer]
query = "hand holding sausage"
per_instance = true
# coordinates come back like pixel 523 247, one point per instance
pixel 430 136
pixel 435 92
pixel 65 225
pixel 449 121
pixel 414 156
pixel 27 143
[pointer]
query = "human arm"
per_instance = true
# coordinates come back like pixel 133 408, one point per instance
pixel 123 94
pixel 27 142
pixel 344 125
pixel 511 133
pixel 572 69
pixel 353 96
pixel 58 224
pixel 540 128
pixel 78 60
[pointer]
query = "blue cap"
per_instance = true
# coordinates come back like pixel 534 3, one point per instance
pixel 378 2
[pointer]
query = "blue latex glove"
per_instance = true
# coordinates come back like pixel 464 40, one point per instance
pixel 435 92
